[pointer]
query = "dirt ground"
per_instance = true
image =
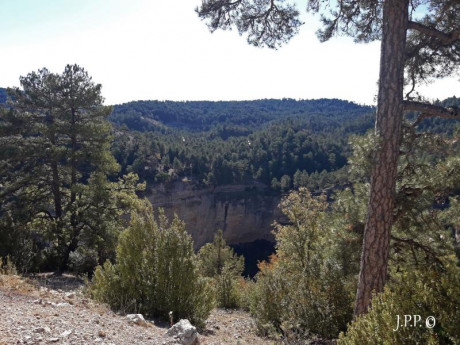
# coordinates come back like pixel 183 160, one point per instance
pixel 48 309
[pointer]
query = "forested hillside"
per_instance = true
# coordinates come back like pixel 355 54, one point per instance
pixel 281 143
pixel 3 95
pixel 245 115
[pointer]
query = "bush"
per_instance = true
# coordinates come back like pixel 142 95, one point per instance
pixel 297 306
pixel 430 292
pixel 303 292
pixel 245 288
pixel 156 271
pixel 23 246
pixel 83 260
pixel 219 262
pixel 7 267
pixel 269 298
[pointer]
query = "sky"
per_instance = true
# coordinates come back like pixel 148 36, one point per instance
pixel 160 49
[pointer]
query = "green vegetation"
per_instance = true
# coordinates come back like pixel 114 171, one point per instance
pixel 155 271
pixel 57 200
pixel 231 118
pixel 426 292
pixel 304 290
pixel 218 261
pixel 307 288
pixel 283 144
pixel 218 143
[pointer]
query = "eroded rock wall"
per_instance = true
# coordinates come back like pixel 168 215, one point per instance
pixel 244 213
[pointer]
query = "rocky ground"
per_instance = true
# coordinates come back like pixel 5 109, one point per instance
pixel 50 310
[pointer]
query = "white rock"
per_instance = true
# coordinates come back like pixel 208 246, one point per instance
pixel 138 319
pixel 63 304
pixel 70 294
pixel 185 332
pixel 65 334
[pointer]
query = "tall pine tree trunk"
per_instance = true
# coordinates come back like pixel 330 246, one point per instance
pixel 375 252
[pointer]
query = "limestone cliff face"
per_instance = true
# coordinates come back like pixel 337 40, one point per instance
pixel 244 213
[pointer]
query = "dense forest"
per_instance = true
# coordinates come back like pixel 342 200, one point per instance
pixel 280 143
pixel 283 144
pixel 240 117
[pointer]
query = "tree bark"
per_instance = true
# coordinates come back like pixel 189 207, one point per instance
pixel 375 252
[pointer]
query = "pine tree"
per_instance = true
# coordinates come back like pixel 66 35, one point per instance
pixel 218 261
pixel 422 49
pixel 56 161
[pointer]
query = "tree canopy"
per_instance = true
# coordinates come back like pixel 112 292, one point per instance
pixel 56 196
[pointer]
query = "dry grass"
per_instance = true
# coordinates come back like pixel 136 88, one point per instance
pixel 18 284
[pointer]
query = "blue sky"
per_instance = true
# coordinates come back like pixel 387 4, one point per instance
pixel 159 49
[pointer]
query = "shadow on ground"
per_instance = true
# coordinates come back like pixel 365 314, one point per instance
pixel 65 282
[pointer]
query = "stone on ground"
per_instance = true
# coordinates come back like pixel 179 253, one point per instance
pixel 185 332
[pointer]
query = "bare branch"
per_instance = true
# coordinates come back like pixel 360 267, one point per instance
pixel 445 38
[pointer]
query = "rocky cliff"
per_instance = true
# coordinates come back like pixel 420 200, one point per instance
pixel 244 213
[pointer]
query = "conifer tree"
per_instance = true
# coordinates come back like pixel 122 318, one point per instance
pixel 218 261
pixel 412 50
pixel 56 161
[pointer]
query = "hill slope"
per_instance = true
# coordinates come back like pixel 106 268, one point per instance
pixel 204 115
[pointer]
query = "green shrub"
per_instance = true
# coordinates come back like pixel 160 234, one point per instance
pixel 7 266
pixel 156 271
pixel 289 304
pixel 23 246
pixel 83 260
pixel 245 288
pixel 303 292
pixel 269 298
pixel 219 262
pixel 428 292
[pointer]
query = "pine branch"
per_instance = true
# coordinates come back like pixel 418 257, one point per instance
pixel 429 252
pixel 430 110
pixel 445 38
